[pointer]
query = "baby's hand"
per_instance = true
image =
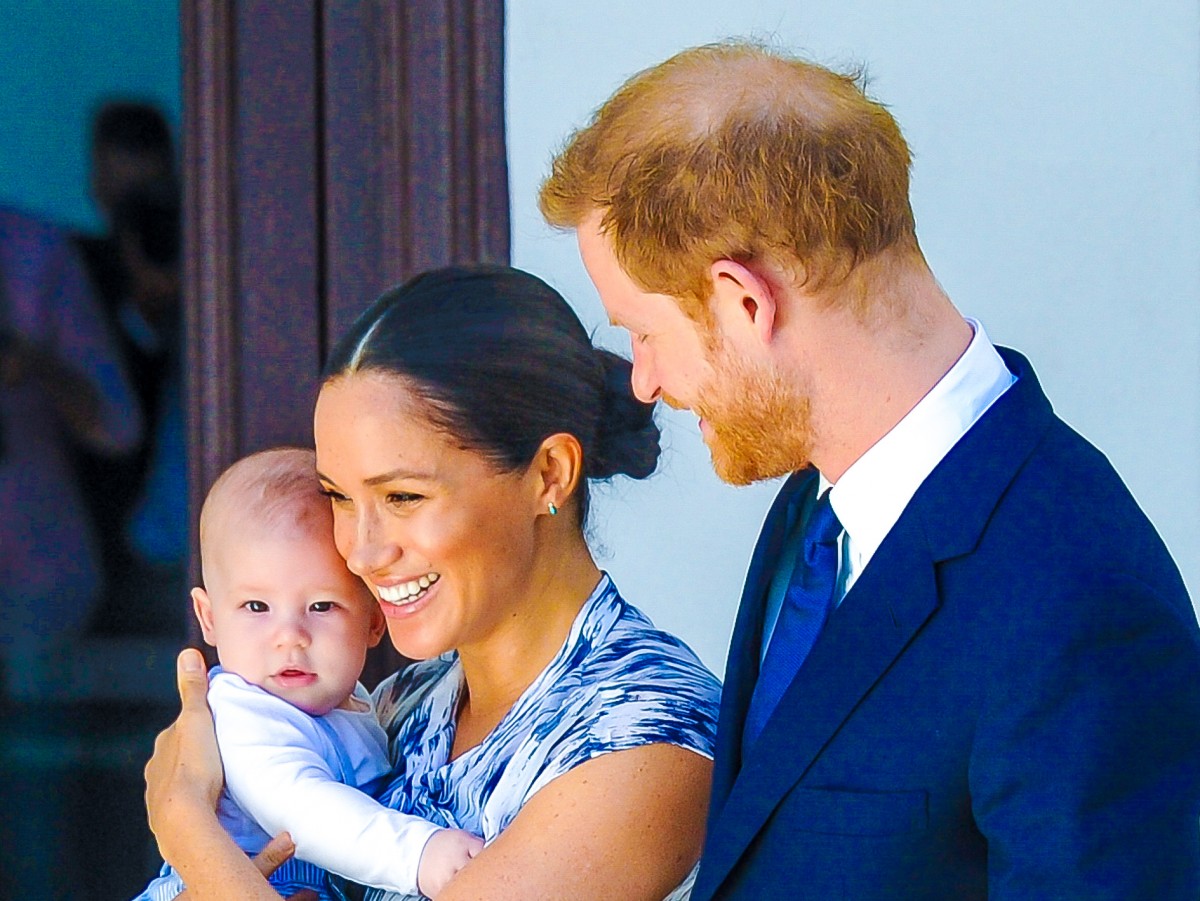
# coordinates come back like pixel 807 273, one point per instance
pixel 446 852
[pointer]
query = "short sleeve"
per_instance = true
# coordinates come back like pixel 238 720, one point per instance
pixel 641 689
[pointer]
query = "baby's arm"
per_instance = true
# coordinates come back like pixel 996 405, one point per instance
pixel 275 772
pixel 446 852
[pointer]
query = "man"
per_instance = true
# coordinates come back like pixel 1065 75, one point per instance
pixel 136 500
pixel 964 665
pixel 131 148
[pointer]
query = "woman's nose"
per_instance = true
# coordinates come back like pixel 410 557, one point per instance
pixel 367 549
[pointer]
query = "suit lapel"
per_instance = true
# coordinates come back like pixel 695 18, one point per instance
pixel 864 635
pixel 741 669
pixel 892 600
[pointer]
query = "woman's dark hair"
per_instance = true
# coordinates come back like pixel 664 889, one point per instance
pixel 502 362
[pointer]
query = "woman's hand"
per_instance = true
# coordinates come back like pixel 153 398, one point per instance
pixel 184 778
pixel 183 783
pixel 277 852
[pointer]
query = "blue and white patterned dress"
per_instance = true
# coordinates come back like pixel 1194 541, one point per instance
pixel 616 683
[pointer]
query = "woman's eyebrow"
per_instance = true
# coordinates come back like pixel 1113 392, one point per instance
pixel 384 477
pixel 396 475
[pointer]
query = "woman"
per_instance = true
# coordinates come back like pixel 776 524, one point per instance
pixel 457 427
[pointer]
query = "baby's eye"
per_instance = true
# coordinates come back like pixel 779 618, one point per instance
pixel 321 606
pixel 256 606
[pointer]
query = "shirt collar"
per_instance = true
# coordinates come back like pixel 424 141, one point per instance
pixel 873 492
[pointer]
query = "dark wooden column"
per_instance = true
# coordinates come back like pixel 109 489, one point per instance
pixel 253 240
pixel 423 180
pixel 331 148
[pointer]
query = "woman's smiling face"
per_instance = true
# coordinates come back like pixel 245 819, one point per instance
pixel 443 539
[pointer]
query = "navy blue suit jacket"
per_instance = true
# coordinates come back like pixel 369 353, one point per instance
pixel 1006 704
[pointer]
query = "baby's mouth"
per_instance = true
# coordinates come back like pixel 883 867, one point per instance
pixel 292 677
pixel 408 592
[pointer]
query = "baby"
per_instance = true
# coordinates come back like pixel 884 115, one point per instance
pixel 300 745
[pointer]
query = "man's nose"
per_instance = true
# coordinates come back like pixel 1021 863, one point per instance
pixel 646 386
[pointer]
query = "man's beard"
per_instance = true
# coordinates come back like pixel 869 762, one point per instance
pixel 761 425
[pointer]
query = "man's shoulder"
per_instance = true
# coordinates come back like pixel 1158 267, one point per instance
pixel 1065 534
pixel 1020 460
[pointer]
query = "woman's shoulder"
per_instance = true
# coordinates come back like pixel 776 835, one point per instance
pixel 633 684
pixel 633 652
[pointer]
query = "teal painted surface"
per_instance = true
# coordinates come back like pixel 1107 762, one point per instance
pixel 58 59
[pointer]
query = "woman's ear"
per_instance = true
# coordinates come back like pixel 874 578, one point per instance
pixel 202 605
pixel 555 472
pixel 743 301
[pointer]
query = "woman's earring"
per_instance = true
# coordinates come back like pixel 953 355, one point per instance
pixel 553 509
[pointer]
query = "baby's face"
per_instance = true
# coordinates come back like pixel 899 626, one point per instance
pixel 285 614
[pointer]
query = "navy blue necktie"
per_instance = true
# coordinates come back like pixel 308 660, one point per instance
pixel 806 606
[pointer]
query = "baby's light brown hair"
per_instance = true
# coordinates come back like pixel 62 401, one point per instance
pixel 270 491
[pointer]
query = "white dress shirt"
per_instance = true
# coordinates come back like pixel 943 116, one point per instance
pixel 873 492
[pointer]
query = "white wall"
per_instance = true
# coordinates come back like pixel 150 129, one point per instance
pixel 1057 195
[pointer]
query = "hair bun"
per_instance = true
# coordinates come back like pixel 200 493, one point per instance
pixel 627 437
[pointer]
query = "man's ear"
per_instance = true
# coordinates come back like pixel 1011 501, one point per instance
pixel 555 472
pixel 202 605
pixel 743 300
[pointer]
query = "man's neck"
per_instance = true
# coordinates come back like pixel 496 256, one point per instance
pixel 870 369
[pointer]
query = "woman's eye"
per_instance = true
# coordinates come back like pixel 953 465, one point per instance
pixel 256 606
pixel 403 497
pixel 335 496
pixel 321 606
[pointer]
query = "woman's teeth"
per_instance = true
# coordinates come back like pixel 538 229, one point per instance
pixel 407 592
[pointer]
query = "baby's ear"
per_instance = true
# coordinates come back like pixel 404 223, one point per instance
pixel 202 606
pixel 378 624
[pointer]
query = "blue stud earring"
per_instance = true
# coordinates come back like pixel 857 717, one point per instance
pixel 553 510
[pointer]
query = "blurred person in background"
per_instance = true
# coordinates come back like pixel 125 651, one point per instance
pixel 61 382
pixel 131 146
pixel 137 501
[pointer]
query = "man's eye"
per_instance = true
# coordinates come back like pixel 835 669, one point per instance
pixel 256 606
